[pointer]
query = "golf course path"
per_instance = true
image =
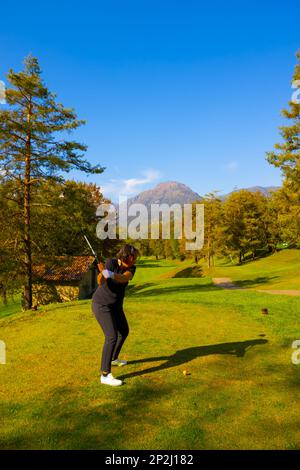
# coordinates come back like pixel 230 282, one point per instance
pixel 225 283
pixel 281 292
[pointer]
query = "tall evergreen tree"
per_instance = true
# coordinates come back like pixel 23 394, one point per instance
pixel 287 154
pixel 32 150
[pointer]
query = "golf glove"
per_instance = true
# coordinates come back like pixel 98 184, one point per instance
pixel 107 273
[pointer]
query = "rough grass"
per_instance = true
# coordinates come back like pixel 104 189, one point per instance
pixel 241 390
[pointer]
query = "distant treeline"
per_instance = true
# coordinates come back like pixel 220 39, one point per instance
pixel 245 225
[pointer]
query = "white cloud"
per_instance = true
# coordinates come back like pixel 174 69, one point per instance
pixel 130 186
pixel 230 167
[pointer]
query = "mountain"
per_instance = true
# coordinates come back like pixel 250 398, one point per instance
pixel 173 192
pixel 266 191
pixel 170 192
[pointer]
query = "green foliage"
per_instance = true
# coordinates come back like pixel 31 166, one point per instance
pixel 287 154
pixel 33 153
pixel 287 158
pixel 244 220
pixel 244 225
pixel 213 227
pixel 33 126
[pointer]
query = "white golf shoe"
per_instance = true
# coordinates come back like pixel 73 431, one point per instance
pixel 110 380
pixel 118 362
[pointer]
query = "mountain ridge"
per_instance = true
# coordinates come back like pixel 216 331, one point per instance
pixel 172 192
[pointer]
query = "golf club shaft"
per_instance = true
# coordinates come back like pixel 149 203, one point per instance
pixel 92 250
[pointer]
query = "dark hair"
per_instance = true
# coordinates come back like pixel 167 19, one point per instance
pixel 126 251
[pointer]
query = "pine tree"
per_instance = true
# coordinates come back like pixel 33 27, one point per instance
pixel 32 150
pixel 287 156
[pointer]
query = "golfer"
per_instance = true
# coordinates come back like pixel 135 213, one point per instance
pixel 107 306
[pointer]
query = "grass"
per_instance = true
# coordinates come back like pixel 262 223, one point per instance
pixel 279 271
pixel 241 391
pixel 12 307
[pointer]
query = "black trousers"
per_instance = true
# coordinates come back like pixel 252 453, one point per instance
pixel 114 325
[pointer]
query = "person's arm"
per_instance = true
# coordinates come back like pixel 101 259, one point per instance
pixel 122 278
pixel 125 277
pixel 100 278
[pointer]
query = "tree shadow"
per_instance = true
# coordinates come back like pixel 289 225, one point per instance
pixel 144 263
pixel 253 282
pixel 191 271
pixel 133 290
pixel 183 356
pixel 148 265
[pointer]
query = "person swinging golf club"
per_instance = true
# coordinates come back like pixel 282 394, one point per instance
pixel 107 307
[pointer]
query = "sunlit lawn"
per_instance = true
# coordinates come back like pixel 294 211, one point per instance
pixel 240 391
pixel 279 271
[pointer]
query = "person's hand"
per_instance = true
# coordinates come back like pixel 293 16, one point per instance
pixel 101 279
pixel 106 273
pixel 101 266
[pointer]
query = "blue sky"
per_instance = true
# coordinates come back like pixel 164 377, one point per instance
pixel 185 91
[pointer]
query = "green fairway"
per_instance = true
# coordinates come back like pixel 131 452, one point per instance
pixel 279 271
pixel 241 390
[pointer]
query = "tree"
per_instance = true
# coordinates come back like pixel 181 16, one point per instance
pixel 286 220
pixel 287 156
pixel 9 247
pixel 213 230
pixel 244 229
pixel 62 214
pixel 32 150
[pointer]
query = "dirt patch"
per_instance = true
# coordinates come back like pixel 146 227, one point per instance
pixel 225 283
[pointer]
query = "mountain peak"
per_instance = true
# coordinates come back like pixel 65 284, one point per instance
pixel 168 192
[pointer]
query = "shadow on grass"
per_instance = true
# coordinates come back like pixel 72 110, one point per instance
pixel 249 259
pixel 255 282
pixel 183 356
pixel 191 271
pixel 69 417
pixel 134 290
pixel 148 265
pixel 153 264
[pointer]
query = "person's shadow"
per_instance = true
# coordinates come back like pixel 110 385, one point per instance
pixel 183 356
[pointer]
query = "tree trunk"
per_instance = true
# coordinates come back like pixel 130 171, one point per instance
pixel 27 288
pixel 208 252
pixel 3 294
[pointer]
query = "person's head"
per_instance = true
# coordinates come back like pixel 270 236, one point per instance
pixel 128 254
